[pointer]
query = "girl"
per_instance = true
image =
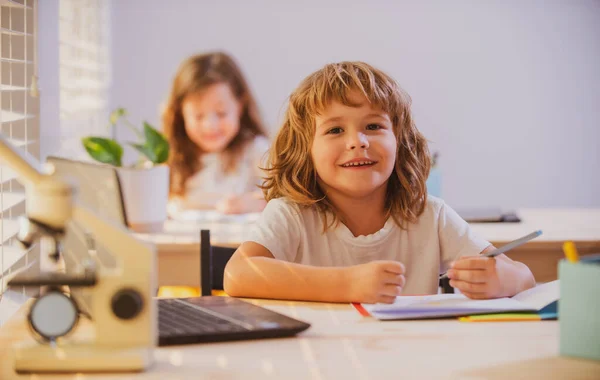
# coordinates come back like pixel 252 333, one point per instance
pixel 348 217
pixel 217 138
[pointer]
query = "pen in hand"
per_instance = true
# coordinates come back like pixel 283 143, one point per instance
pixel 506 248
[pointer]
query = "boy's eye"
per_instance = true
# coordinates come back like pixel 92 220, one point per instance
pixel 334 131
pixel 373 127
pixel 221 114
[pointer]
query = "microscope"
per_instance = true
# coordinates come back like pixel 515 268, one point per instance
pixel 121 309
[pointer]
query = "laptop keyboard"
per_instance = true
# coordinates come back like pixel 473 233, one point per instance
pixel 176 317
pixel 219 319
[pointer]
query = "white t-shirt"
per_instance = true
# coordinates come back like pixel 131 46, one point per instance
pixel 426 248
pixel 212 183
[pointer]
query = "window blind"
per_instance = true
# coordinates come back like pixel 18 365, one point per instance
pixel 19 123
pixel 84 73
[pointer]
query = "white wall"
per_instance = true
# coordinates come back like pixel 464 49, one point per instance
pixel 47 46
pixel 507 91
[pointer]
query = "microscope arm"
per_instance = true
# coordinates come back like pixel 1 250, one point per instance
pixel 22 164
pixel 132 253
pixel 49 199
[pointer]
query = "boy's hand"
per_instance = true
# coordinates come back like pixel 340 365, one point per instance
pixel 481 277
pixel 377 281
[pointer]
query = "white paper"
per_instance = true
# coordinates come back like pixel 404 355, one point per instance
pixel 444 305
pixel 541 295
pixel 444 302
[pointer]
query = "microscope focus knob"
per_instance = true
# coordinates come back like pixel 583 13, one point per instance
pixel 127 303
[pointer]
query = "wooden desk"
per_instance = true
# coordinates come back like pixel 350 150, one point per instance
pixel 341 344
pixel 179 245
pixel 178 248
pixel 543 253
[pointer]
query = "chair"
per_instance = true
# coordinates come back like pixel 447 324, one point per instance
pixel 213 260
pixel 445 286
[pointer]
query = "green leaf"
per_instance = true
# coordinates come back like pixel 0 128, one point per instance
pixel 144 150
pixel 103 149
pixel 116 115
pixel 156 142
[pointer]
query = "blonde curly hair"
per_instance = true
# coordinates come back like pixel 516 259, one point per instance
pixel 290 172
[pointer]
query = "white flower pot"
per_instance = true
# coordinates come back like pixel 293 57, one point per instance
pixel 145 194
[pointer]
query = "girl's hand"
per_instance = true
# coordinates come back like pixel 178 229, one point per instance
pixel 481 277
pixel 377 281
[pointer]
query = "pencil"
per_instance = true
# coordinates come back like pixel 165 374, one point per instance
pixel 507 247
pixel 570 251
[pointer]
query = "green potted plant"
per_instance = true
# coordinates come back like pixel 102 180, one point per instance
pixel 144 184
pixel 154 147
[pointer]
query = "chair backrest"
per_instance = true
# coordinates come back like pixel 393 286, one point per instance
pixel 213 260
pixel 445 286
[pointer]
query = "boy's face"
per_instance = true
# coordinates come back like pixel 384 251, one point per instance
pixel 212 117
pixel 354 149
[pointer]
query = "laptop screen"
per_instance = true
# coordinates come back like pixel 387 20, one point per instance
pixel 98 187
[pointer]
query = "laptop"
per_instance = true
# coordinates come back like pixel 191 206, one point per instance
pixel 218 319
pixel 180 320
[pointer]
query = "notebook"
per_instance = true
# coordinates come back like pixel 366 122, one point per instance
pixel 540 299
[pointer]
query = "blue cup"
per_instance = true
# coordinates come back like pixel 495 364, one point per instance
pixel 579 307
pixel 434 182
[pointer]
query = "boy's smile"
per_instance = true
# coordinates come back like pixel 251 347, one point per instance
pixel 358 163
pixel 354 148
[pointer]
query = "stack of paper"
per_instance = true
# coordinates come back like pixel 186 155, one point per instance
pixel 447 305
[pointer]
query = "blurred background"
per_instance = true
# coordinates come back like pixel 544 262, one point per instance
pixel 507 92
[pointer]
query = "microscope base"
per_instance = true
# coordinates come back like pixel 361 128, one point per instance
pixel 81 358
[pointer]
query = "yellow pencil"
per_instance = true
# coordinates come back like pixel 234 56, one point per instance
pixel 570 251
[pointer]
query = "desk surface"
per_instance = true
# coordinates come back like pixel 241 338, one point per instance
pixel 179 244
pixel 558 225
pixel 341 344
